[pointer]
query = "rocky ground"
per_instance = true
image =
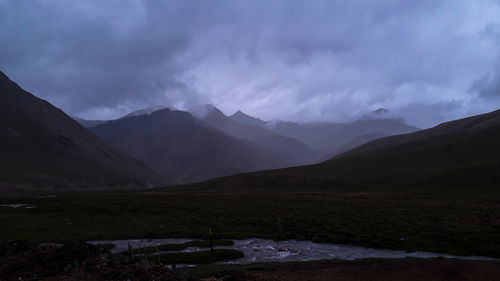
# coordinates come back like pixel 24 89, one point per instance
pixel 19 261
pixel 48 262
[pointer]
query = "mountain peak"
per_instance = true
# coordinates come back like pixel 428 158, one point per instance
pixel 204 110
pixel 241 117
pixel 144 111
pixel 380 111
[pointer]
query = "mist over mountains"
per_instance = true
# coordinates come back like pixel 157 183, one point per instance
pixel 182 148
pixel 460 157
pixel 249 140
pixel 175 137
pixel 160 145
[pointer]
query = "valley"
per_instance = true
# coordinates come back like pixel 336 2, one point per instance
pixel 249 140
pixel 461 225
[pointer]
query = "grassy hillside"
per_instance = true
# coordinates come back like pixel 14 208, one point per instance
pixel 458 226
pixel 459 158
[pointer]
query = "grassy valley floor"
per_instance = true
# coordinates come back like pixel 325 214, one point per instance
pixel 457 226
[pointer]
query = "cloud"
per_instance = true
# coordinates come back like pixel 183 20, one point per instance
pixel 288 59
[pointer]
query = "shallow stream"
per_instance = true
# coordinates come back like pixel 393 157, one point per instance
pixel 263 250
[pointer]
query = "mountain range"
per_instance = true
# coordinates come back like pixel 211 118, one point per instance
pixel 461 156
pixel 42 146
pixel 329 138
pixel 287 151
pixel 181 147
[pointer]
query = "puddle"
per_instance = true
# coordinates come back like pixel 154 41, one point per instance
pixel 47 196
pixel 263 250
pixel 18 206
pixel 122 245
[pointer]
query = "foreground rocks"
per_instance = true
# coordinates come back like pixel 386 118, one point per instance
pixel 19 261
pixel 50 262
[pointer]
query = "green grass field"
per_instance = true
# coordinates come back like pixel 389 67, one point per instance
pixel 456 226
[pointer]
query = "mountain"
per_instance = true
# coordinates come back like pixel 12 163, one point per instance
pixel 181 147
pixel 327 138
pixel 355 142
pixel 88 123
pixel 380 111
pixel 243 118
pixel 144 111
pixel 40 146
pixel 92 123
pixel 458 157
pixel 287 151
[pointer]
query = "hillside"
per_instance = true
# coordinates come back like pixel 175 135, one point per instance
pixel 181 147
pixel 42 147
pixel 458 157
pixel 355 142
pixel 285 150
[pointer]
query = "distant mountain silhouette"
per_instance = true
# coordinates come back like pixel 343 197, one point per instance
pixel 380 111
pixel 144 111
pixel 88 123
pixel 40 146
pixel 355 142
pixel 329 138
pixel 286 151
pixel 92 123
pixel 181 147
pixel 458 157
pixel 243 118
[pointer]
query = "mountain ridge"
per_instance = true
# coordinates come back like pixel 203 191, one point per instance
pixel 43 147
pixel 460 157
pixel 287 150
pixel 181 147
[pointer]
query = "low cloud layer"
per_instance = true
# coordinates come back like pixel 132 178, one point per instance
pixel 427 61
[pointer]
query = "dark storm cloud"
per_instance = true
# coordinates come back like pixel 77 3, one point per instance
pixel 289 59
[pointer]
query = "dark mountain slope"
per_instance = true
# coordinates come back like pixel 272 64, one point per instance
pixel 458 157
pixel 355 142
pixel 40 146
pixel 181 147
pixel 465 134
pixel 287 151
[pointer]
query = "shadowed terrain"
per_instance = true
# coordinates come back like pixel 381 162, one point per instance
pixel 181 147
pixel 458 158
pixel 333 138
pixel 40 146
pixel 286 151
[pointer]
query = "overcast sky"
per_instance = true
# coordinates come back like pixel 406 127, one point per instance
pixel 427 61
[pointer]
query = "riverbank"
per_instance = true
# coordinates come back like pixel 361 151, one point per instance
pixel 409 269
pixel 255 250
pixel 458 226
pixel 50 262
